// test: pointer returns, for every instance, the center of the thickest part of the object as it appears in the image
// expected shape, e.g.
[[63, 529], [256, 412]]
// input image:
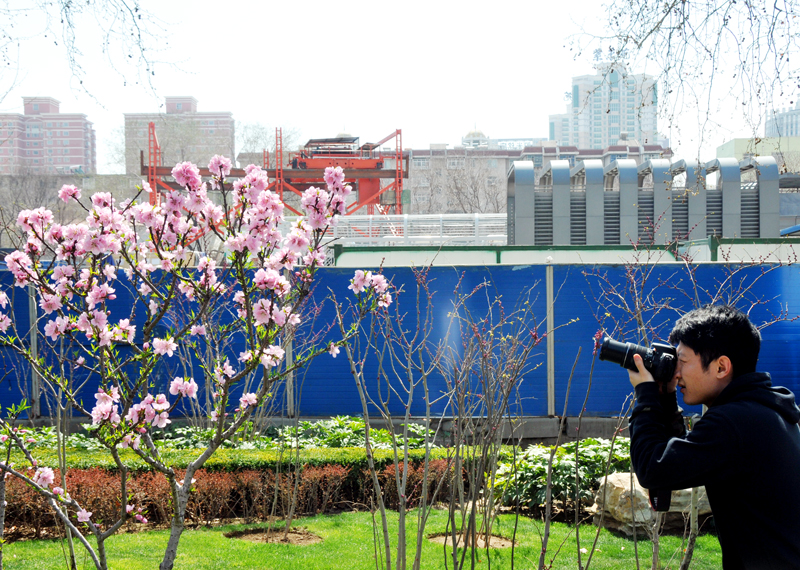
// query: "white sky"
[[435, 69]]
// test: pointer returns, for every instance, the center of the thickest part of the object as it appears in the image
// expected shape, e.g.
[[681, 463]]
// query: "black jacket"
[[745, 450]]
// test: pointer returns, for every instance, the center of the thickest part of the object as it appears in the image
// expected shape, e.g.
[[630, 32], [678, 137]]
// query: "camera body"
[[659, 360]]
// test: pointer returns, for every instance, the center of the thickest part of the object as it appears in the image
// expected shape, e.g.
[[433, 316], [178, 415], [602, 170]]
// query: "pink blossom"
[[186, 174], [249, 399], [198, 330], [58, 491], [44, 477], [360, 281], [219, 165], [5, 322], [129, 508], [3, 300], [161, 420], [333, 350], [384, 300], [184, 387], [272, 356], [334, 177], [102, 200], [83, 515], [262, 311], [379, 283], [69, 192], [164, 346]]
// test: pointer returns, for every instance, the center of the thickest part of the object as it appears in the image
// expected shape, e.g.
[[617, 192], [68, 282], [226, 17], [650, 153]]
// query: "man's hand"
[[643, 375]]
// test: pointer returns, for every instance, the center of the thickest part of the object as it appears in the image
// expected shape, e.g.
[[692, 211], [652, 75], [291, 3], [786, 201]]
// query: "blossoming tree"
[[77, 270]]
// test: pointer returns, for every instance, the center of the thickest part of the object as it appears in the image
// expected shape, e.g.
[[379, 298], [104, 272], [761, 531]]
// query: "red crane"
[[364, 167]]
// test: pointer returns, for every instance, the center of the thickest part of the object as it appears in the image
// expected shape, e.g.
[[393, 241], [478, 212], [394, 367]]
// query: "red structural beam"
[[290, 173]]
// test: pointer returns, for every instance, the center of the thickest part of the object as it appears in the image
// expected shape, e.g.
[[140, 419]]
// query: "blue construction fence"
[[573, 301]]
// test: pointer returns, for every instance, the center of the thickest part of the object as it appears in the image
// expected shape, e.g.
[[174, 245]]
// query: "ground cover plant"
[[336, 432]]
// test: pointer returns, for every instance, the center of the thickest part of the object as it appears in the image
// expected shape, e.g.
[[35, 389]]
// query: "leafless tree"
[[129, 37], [252, 138], [466, 186], [703, 52]]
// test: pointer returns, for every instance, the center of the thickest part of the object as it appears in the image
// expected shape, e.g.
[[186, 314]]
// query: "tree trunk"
[[180, 497]]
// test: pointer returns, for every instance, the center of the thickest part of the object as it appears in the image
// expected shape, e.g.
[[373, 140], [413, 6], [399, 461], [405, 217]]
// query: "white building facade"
[[606, 105], [784, 122]]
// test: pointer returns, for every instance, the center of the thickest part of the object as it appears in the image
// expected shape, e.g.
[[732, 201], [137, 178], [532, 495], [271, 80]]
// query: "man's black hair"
[[716, 330]]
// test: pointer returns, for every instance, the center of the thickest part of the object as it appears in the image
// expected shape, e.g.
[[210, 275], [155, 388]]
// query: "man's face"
[[698, 386]]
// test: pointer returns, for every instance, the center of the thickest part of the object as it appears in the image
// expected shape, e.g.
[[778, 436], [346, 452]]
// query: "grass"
[[348, 544]]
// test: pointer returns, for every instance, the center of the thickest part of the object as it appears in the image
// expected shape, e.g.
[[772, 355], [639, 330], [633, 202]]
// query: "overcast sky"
[[434, 69]]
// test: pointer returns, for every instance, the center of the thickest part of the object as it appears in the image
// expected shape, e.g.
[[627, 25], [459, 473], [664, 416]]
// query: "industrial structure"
[[656, 202], [376, 176]]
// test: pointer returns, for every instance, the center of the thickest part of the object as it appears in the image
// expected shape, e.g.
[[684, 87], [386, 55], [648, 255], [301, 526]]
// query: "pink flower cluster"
[[364, 280], [321, 206], [184, 387], [153, 410], [138, 515], [69, 192], [106, 409]]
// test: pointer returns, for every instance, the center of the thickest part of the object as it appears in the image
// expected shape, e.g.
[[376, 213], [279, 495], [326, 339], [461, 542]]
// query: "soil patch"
[[296, 536], [495, 541]]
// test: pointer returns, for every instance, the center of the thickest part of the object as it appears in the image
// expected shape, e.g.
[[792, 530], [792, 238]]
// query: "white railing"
[[438, 229]]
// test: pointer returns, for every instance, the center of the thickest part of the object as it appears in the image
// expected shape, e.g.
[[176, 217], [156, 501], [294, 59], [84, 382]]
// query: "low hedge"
[[253, 484], [231, 459]]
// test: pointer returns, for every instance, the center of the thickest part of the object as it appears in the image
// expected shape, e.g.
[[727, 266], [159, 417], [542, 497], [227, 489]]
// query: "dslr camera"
[[659, 360]]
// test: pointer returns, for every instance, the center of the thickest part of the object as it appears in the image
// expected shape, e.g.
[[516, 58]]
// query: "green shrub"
[[531, 471]]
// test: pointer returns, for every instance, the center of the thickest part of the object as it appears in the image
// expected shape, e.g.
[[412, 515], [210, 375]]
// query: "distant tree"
[[468, 187], [128, 36], [253, 138], [704, 51]]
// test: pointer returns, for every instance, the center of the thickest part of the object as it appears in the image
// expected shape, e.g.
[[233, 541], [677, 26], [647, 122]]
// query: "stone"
[[613, 505]]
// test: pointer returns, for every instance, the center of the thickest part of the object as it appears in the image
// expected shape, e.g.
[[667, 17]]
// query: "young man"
[[745, 449]]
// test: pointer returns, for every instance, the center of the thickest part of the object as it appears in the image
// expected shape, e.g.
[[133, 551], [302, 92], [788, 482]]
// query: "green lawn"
[[348, 545]]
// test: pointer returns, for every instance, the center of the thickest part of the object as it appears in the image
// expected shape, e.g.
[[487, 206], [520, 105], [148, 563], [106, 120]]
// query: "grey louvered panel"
[[714, 212], [645, 217], [577, 218], [680, 214], [611, 215], [750, 211], [543, 218]]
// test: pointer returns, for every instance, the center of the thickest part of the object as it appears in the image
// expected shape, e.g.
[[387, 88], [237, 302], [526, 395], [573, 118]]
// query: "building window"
[[421, 163], [36, 106], [455, 162], [179, 106]]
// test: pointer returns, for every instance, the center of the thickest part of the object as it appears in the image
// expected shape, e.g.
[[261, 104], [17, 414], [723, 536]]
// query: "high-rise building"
[[605, 105], [45, 141], [784, 122], [183, 134]]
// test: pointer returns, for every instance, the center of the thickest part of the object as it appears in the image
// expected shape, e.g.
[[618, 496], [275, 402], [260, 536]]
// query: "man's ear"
[[723, 367]]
